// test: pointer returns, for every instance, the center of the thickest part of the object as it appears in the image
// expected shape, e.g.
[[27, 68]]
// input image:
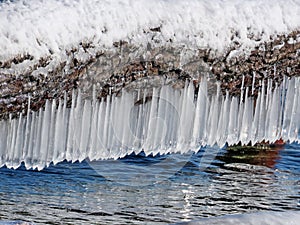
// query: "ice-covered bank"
[[48, 48], [134, 59]]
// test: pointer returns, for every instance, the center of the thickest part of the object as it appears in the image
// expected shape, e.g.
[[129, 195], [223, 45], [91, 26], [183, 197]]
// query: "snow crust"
[[38, 27]]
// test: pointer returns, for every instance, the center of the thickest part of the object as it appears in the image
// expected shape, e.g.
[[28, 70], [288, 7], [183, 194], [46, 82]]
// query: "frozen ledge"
[[49, 48], [128, 66]]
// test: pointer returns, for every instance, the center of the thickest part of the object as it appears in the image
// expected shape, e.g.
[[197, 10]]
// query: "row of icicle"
[[164, 120]]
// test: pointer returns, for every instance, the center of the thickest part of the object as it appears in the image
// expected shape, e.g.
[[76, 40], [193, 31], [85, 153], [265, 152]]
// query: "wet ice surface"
[[236, 182]]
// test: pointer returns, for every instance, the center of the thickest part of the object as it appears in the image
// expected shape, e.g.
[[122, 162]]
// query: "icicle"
[[253, 83], [29, 156], [288, 109], [262, 113], [246, 120], [293, 126], [160, 123], [214, 118], [163, 120], [273, 123], [223, 133], [197, 121], [99, 145], [94, 121], [18, 143], [150, 120], [3, 142], [233, 122], [187, 117], [71, 128], [58, 129], [126, 137], [26, 134], [45, 128], [37, 142], [242, 89], [221, 122], [86, 127], [48, 158]]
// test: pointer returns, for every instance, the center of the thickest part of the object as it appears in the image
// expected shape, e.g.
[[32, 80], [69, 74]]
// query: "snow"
[[38, 27]]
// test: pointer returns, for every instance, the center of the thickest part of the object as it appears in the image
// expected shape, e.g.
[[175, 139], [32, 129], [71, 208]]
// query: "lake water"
[[155, 190]]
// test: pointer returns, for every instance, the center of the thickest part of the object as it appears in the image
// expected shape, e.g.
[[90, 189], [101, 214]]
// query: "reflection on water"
[[238, 181], [263, 155]]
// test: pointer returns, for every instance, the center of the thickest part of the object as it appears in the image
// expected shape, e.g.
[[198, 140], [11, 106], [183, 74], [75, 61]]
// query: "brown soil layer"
[[267, 61], [124, 67]]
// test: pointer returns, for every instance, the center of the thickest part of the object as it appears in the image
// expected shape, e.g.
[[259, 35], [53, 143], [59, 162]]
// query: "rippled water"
[[130, 191]]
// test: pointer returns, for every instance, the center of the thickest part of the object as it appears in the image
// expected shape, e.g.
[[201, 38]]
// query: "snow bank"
[[38, 27]]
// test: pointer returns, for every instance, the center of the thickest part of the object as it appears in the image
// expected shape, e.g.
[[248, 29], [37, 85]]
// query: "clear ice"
[[162, 120]]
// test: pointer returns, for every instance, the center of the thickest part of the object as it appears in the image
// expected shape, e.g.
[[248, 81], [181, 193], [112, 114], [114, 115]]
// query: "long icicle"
[[171, 121]]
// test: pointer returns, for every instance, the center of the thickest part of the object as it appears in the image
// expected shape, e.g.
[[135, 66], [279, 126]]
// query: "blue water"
[[129, 191]]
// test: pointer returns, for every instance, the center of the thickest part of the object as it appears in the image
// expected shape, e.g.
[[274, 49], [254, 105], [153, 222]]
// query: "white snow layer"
[[37, 26], [172, 121]]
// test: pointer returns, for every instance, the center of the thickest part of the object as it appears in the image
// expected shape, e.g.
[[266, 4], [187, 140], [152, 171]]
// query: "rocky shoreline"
[[127, 66]]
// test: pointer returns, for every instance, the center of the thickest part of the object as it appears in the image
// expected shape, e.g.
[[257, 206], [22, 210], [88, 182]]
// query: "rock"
[[128, 66]]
